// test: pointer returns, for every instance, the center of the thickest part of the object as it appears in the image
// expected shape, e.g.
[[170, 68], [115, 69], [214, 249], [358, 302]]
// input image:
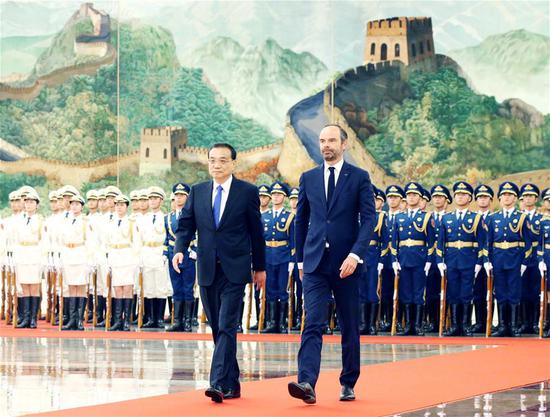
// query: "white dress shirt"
[[460, 214], [226, 186], [530, 213], [337, 169]]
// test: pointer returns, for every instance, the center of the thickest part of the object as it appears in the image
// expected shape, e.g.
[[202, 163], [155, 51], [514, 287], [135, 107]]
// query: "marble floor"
[[528, 401], [44, 374]]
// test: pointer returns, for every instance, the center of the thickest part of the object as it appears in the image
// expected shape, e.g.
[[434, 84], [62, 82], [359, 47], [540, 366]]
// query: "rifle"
[[94, 278], [379, 294], [55, 298], [543, 301], [49, 293], [9, 312], [442, 303], [3, 310], [395, 303], [262, 311], [489, 322], [249, 309], [61, 300], [291, 301], [109, 300], [15, 300], [141, 299]]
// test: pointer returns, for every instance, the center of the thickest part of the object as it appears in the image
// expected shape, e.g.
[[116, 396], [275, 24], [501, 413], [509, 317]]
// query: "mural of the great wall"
[[434, 95]]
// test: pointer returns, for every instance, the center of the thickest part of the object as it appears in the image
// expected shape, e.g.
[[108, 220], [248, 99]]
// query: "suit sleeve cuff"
[[357, 258], [300, 265]]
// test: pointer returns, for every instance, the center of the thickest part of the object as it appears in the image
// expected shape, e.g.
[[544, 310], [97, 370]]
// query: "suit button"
[[328, 221]]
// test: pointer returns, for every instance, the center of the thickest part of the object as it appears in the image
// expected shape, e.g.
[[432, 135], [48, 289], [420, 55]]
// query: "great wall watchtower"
[[159, 148], [97, 42], [407, 39]]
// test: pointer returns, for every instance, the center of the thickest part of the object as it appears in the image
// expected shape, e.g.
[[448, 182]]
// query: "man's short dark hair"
[[226, 146], [343, 134]]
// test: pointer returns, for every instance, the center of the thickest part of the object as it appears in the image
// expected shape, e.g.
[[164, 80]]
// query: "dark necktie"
[[120, 221], [154, 218], [28, 220], [74, 221], [216, 209], [331, 185]]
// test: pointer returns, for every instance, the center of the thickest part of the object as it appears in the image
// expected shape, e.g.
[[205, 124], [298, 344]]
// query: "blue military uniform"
[[279, 239], [413, 247], [183, 281], [480, 284], [461, 247], [433, 281], [508, 249], [530, 281], [369, 283], [543, 254]]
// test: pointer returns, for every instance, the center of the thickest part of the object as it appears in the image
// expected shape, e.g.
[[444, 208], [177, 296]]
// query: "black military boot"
[[502, 328], [161, 305], [271, 325], [150, 313], [372, 319], [330, 313], [515, 330], [134, 310], [117, 315], [431, 323], [66, 313], [387, 313], [419, 320], [481, 318], [297, 325], [363, 316], [35, 304], [24, 312], [283, 315], [466, 323], [407, 330], [178, 317], [194, 318], [170, 304], [188, 316], [453, 330], [400, 316], [81, 308], [127, 314], [71, 303], [90, 305], [100, 311]]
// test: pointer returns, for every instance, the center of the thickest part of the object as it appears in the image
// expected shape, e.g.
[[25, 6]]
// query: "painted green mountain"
[[260, 82], [18, 54], [512, 64]]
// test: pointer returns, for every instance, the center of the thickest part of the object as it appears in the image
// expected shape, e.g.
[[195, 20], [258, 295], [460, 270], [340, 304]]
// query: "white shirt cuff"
[[357, 258]]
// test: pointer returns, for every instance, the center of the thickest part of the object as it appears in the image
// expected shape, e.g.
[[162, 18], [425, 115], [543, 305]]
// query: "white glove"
[[290, 267], [164, 260], [476, 270], [523, 269], [442, 268], [193, 255], [542, 267], [396, 267], [380, 267], [427, 268], [488, 267]]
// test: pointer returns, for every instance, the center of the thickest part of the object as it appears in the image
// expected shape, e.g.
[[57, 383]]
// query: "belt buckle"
[[460, 244], [506, 245]]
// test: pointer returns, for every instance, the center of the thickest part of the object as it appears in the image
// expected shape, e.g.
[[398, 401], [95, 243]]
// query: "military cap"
[[463, 187], [155, 191], [134, 195], [69, 190], [426, 195], [14, 195], [101, 195], [77, 198], [181, 188], [112, 191], [32, 195], [143, 194], [264, 190], [395, 190], [279, 187], [508, 187], [294, 191], [484, 190], [121, 198], [52, 195], [92, 195], [413, 187], [380, 195], [440, 189], [529, 189], [546, 194], [25, 189]]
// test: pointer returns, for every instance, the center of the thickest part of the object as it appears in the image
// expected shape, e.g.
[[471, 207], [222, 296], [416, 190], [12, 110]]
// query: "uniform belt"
[[508, 245], [120, 246], [73, 245], [412, 242], [28, 243], [373, 243], [459, 244], [152, 244], [547, 246], [276, 243]]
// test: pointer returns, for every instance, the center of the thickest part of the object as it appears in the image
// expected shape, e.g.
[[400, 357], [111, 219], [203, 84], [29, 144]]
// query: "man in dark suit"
[[334, 221], [225, 213]]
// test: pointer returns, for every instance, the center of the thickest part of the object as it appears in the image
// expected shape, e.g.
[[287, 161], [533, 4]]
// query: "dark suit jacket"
[[238, 242], [338, 224]]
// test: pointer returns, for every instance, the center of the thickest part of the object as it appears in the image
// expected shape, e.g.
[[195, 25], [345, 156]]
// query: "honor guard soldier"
[[484, 195], [93, 240], [412, 251], [294, 269], [29, 257], [460, 253], [279, 238], [394, 197], [122, 245], [530, 282], [184, 281], [426, 198], [509, 248], [441, 197], [156, 281], [543, 255], [369, 283]]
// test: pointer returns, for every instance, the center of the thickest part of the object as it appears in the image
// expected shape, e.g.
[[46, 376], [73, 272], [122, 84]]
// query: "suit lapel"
[[320, 174], [342, 178], [206, 204]]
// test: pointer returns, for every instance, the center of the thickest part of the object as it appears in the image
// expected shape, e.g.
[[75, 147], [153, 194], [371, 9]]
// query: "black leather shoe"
[[231, 394], [347, 393], [215, 394], [303, 391]]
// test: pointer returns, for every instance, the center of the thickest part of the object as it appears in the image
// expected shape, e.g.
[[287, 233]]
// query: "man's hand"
[[542, 267], [427, 268], [488, 267], [380, 267], [259, 279], [348, 267], [176, 261], [477, 269], [523, 269], [442, 268], [301, 274], [396, 267]]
